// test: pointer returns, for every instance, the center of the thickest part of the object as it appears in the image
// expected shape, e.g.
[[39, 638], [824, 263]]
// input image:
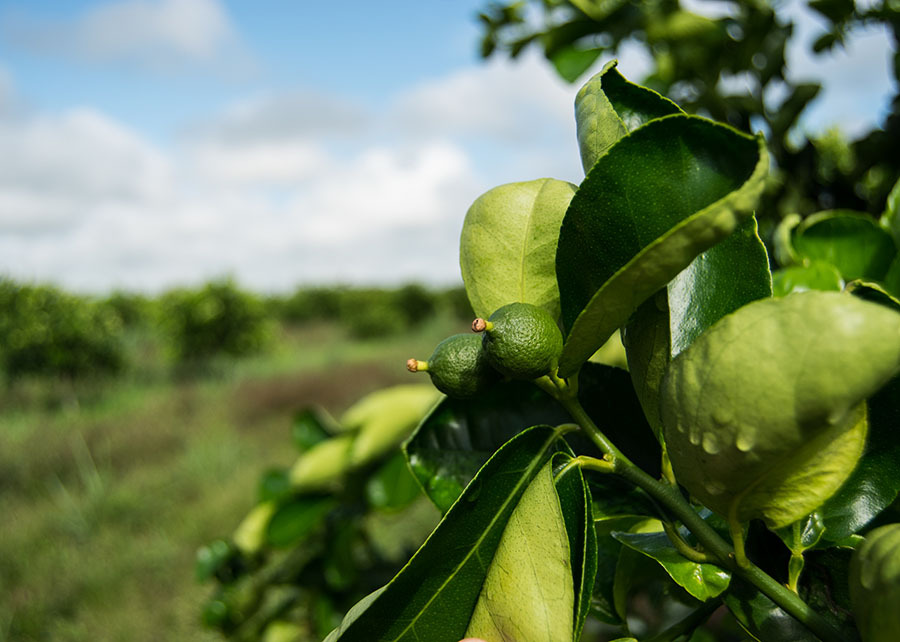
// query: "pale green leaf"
[[508, 245]]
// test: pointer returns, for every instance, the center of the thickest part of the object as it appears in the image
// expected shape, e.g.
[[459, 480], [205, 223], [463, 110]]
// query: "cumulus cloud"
[[161, 35]]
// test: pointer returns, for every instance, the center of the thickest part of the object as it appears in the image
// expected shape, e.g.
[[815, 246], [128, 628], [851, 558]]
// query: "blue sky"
[[149, 143]]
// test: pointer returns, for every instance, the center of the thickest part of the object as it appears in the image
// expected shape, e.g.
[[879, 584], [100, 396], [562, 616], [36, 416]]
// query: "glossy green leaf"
[[507, 249], [761, 618], [459, 435], [803, 534], [890, 219], [875, 482], [575, 502], [608, 106], [702, 581], [663, 194], [852, 242], [571, 62], [814, 275], [434, 595], [764, 409], [393, 485], [719, 281], [296, 519], [383, 419], [310, 426], [722, 279], [530, 566]]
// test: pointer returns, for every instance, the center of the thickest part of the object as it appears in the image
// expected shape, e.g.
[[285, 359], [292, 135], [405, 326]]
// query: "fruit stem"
[[414, 365], [670, 497], [482, 325]]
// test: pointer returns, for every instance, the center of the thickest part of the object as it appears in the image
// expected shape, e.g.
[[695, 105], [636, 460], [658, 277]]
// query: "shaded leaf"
[[296, 519], [890, 219], [825, 586], [459, 435], [393, 485], [571, 62], [275, 484], [659, 197], [608, 106], [310, 426], [874, 293], [575, 502], [608, 551], [433, 597], [875, 482], [761, 617], [507, 248], [852, 242]]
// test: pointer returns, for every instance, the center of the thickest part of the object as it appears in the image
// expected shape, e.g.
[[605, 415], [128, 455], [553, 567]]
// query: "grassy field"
[[106, 491]]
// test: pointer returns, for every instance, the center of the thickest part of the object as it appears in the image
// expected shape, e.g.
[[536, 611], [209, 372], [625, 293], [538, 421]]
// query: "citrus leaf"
[[890, 219], [295, 519], [659, 197], [874, 293], [570, 62], [702, 581], [507, 248], [716, 283], [814, 275], [575, 501], [530, 566], [608, 106], [761, 618], [393, 485], [323, 466], [434, 595], [778, 434], [875, 482], [310, 426], [459, 435], [852, 242]]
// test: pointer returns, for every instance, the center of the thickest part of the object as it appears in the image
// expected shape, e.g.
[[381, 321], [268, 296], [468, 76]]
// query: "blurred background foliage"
[[731, 69]]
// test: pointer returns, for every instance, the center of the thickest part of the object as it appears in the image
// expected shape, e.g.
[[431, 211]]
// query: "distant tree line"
[[47, 332]]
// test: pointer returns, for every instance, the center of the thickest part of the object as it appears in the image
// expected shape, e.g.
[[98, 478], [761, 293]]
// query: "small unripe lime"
[[521, 340], [458, 367], [875, 585]]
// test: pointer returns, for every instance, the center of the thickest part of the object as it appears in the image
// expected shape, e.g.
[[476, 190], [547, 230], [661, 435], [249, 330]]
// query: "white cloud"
[[162, 35], [272, 190]]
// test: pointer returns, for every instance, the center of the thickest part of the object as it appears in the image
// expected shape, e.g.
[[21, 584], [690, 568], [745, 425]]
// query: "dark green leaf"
[[608, 551], [275, 484], [890, 218], [607, 107], [761, 617], [434, 596], [852, 242], [212, 557], [703, 581], [875, 482], [393, 485], [825, 586], [814, 275], [459, 435], [312, 425], [571, 62], [575, 502], [658, 198], [719, 281], [296, 519], [804, 534], [873, 292]]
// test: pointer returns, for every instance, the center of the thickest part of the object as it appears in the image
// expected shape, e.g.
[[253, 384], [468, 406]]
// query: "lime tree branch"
[[669, 497]]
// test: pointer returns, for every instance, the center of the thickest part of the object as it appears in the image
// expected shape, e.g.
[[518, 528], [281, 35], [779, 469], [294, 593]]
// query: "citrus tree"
[[745, 461]]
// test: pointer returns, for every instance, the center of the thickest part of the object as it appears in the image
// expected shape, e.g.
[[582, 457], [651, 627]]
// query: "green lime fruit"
[[521, 340], [875, 585], [764, 414], [458, 367]]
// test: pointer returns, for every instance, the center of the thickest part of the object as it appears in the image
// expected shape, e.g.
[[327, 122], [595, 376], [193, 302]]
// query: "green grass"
[[106, 491]]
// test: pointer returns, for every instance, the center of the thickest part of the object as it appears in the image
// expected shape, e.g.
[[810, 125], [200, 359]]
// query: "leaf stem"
[[670, 497]]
